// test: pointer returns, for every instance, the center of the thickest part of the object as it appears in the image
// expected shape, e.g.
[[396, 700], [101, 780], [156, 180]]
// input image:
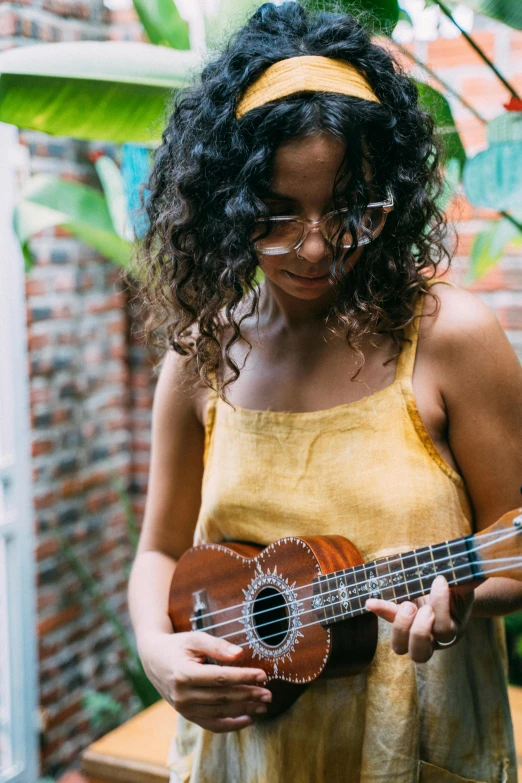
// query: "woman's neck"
[[276, 306]]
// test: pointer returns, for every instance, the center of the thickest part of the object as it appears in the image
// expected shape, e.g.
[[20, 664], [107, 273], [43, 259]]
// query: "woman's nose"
[[314, 247]]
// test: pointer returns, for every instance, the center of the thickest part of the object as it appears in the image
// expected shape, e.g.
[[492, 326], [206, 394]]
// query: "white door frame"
[[19, 761]]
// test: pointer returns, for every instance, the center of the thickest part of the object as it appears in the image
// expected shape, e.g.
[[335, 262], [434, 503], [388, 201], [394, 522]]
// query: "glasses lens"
[[372, 223], [277, 235]]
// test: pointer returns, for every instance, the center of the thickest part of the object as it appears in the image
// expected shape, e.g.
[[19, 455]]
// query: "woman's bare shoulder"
[[479, 377], [461, 318]]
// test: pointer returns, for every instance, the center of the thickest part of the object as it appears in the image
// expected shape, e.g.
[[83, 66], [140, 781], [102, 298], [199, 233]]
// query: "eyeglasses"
[[282, 234]]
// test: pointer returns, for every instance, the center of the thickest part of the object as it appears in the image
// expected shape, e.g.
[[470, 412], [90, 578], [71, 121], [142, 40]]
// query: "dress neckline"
[[321, 412]]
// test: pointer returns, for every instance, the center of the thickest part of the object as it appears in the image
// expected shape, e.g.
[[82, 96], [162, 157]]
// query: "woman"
[[318, 402]]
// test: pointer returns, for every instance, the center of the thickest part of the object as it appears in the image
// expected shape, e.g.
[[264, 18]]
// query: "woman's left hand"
[[419, 626]]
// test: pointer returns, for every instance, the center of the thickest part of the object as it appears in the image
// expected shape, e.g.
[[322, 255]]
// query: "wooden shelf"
[[137, 751]]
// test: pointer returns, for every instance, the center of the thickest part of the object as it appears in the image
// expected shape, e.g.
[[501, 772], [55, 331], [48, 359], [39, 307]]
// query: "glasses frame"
[[317, 225]]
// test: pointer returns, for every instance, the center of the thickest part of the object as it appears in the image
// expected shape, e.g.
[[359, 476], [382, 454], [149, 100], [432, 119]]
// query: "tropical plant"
[[118, 91]]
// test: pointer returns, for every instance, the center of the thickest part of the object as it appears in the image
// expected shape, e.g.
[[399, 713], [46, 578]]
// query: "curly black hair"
[[198, 264]]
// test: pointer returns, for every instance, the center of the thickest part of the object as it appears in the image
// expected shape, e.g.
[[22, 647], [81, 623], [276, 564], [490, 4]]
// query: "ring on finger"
[[438, 644]]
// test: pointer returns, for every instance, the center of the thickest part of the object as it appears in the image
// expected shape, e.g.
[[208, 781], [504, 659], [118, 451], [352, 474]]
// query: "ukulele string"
[[357, 569], [366, 582], [518, 562], [346, 615]]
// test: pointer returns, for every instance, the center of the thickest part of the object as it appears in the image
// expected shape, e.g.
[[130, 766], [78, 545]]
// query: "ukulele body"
[[263, 599]]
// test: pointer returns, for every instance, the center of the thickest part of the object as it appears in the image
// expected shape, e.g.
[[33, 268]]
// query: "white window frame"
[[19, 761]]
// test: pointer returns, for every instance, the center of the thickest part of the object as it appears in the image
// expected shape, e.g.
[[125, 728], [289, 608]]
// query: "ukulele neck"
[[342, 594]]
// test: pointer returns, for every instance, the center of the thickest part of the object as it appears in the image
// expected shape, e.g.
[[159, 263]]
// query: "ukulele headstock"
[[498, 548]]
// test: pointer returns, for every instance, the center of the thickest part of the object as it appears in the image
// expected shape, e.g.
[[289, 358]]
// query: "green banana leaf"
[[489, 245], [380, 15], [436, 104], [112, 90], [163, 23], [493, 178], [48, 201], [114, 191], [507, 11]]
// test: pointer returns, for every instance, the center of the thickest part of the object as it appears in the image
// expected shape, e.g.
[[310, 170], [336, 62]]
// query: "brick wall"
[[87, 400], [91, 383]]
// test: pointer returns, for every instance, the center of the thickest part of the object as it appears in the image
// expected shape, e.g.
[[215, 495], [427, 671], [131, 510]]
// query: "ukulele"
[[297, 606]]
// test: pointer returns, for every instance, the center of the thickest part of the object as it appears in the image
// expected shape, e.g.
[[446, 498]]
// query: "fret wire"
[[392, 583], [323, 606], [433, 561], [354, 589], [338, 596], [451, 563]]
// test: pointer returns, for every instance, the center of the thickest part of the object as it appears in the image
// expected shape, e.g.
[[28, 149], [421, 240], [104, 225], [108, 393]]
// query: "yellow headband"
[[311, 74]]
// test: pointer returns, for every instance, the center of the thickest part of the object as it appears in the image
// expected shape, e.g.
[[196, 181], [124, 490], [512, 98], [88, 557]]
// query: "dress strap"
[[209, 422], [406, 360]]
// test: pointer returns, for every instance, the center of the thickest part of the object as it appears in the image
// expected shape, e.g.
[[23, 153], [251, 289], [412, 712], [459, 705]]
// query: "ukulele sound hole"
[[270, 616]]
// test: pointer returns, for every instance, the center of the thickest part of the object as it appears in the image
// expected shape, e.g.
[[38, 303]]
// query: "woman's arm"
[[479, 380], [219, 698], [173, 498], [481, 385]]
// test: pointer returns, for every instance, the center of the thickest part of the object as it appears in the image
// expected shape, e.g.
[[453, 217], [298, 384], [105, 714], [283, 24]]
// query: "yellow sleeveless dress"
[[367, 470]]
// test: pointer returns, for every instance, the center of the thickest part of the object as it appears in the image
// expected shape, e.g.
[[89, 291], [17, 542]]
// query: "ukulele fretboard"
[[400, 577]]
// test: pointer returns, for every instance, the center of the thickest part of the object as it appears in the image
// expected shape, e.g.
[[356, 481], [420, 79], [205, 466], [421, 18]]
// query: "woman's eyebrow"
[[278, 196]]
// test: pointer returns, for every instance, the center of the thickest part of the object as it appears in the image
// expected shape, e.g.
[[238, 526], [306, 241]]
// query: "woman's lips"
[[310, 282]]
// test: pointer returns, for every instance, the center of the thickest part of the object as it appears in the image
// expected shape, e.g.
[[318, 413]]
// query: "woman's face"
[[302, 184]]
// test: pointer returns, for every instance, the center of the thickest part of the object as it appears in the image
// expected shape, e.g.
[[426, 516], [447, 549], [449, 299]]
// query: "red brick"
[[118, 351], [51, 697], [472, 132], [61, 414], [63, 715], [71, 487], [37, 341], [510, 317], [44, 600], [35, 287], [73, 776], [498, 279], [7, 25], [117, 327], [65, 283], [46, 500], [40, 395], [46, 549], [450, 53], [113, 302], [516, 47], [106, 546], [487, 90], [41, 447], [57, 620], [62, 311], [126, 16], [460, 210]]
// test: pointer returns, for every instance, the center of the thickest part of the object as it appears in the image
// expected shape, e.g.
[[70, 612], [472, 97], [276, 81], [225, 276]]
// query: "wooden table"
[[137, 751]]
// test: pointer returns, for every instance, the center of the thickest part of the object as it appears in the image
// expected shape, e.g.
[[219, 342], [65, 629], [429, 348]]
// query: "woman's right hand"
[[218, 698]]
